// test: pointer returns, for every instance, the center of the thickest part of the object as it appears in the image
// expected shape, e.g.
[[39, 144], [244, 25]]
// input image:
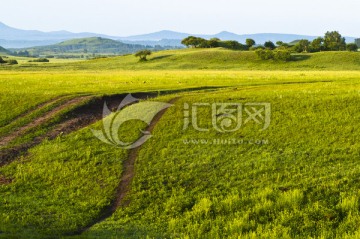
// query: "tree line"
[[332, 41], [198, 42]]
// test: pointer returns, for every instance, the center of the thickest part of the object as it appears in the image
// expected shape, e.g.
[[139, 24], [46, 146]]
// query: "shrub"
[[40, 60], [278, 55], [351, 47], [265, 54], [254, 48], [282, 55], [12, 62], [2, 61]]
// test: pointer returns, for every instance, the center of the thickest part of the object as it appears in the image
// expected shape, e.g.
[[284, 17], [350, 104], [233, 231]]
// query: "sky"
[[124, 18]]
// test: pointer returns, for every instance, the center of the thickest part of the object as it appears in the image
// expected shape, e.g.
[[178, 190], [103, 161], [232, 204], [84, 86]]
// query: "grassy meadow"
[[297, 179]]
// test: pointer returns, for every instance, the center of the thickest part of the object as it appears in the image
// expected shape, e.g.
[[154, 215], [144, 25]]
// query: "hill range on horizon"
[[17, 38]]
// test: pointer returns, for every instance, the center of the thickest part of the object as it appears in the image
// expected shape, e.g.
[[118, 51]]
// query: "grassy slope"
[[302, 183], [193, 190], [60, 189], [25, 90], [197, 190], [222, 59]]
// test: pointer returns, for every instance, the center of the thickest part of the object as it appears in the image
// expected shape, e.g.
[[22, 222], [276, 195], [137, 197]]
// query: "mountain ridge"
[[90, 45], [16, 38]]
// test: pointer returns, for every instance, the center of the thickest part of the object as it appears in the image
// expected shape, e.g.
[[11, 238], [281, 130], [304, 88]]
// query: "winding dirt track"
[[38, 107], [126, 178], [82, 115], [42, 119]]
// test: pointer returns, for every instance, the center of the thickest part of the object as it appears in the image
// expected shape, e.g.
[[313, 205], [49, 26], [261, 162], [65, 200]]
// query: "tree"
[[202, 43], [282, 45], [193, 41], [352, 47], [234, 45], [317, 44], [302, 46], [187, 41], [270, 45], [143, 54], [214, 42], [333, 41], [250, 42], [2, 60]]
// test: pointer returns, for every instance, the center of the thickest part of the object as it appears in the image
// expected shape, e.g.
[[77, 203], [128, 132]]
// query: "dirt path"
[[38, 107], [42, 119], [78, 118], [126, 178], [4, 180]]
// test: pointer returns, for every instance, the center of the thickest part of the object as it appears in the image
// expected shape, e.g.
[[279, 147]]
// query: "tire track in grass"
[[42, 119], [79, 117], [36, 108], [8, 154], [4, 181], [126, 178]]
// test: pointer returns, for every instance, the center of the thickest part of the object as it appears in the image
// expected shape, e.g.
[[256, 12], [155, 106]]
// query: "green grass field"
[[204, 59], [297, 179]]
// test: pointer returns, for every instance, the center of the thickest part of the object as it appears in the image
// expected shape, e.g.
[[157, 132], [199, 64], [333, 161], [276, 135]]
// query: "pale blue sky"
[[122, 18]]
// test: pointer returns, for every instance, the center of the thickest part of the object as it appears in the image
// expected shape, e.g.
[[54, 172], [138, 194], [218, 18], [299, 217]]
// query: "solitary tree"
[[143, 54], [249, 42]]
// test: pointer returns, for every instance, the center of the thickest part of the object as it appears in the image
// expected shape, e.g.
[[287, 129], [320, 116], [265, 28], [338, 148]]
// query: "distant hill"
[[96, 45], [16, 38], [26, 43], [3, 50], [156, 36], [163, 42]]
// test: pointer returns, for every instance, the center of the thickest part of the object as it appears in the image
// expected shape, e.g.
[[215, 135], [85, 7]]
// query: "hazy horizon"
[[125, 18]]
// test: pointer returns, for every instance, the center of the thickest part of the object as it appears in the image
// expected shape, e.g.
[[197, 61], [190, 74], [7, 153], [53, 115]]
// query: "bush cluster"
[[10, 62], [277, 55], [40, 60]]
